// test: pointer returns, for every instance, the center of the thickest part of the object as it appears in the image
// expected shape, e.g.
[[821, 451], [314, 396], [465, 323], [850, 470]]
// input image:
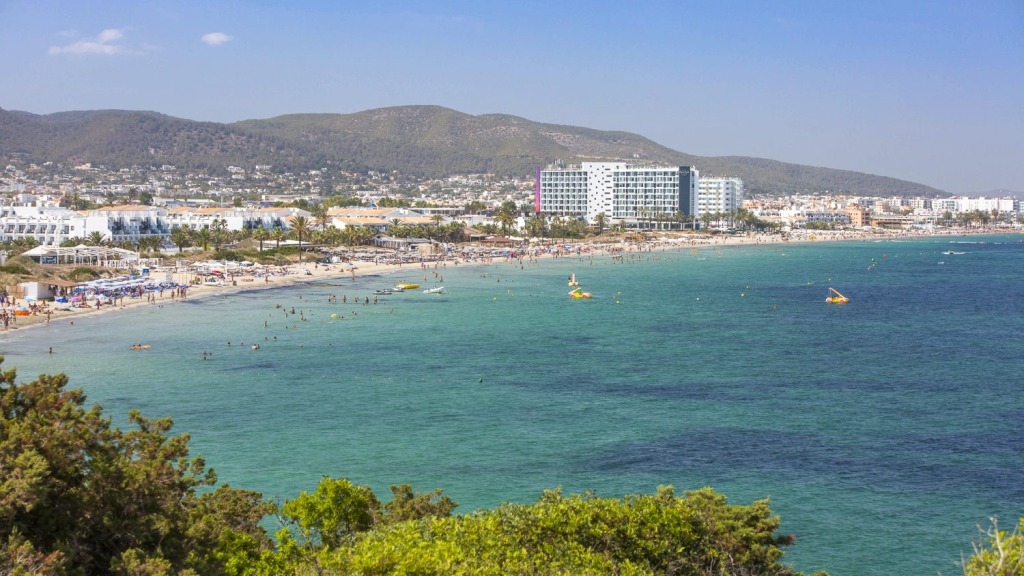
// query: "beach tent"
[[80, 254]]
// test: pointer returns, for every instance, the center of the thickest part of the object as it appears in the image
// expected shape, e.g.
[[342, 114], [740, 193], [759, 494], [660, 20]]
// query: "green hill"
[[418, 141]]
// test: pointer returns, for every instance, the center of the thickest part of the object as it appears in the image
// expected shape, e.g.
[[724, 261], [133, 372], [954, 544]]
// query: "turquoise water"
[[884, 431]]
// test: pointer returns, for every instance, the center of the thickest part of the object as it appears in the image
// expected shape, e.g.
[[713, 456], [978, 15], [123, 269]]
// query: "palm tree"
[[359, 236], [97, 239], [706, 218], [181, 237], [300, 228], [149, 243], [455, 231], [277, 235], [331, 236], [505, 217], [260, 234], [203, 237], [535, 227], [218, 232], [320, 216], [600, 220]]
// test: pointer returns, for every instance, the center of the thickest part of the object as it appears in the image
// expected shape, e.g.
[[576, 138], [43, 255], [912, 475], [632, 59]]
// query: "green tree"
[[320, 217], [475, 207], [149, 243], [600, 221], [181, 237], [218, 232], [300, 229], [97, 238], [505, 216], [78, 496], [261, 235], [277, 235], [359, 236], [203, 236], [998, 554], [406, 505], [331, 515], [662, 533]]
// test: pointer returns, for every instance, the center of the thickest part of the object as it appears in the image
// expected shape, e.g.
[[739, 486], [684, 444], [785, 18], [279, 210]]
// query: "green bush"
[[15, 269], [84, 273], [998, 554]]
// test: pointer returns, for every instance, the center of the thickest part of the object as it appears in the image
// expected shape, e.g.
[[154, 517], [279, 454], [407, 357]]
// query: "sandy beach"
[[274, 277]]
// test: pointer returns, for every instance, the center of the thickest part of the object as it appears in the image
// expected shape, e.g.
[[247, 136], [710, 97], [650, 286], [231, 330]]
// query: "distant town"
[[161, 207]]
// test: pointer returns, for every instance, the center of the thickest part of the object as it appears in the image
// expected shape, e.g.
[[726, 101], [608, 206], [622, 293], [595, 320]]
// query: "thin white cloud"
[[216, 38], [105, 44]]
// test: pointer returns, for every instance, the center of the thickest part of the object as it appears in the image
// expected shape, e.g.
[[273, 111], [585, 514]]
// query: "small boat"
[[835, 297], [572, 280], [407, 285], [434, 290], [384, 292], [579, 294], [397, 289]]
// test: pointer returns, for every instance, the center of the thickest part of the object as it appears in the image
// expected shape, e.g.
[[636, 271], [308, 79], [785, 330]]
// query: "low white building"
[[238, 218]]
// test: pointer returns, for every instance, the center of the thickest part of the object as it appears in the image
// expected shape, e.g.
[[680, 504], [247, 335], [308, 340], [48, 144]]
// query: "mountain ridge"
[[420, 141]]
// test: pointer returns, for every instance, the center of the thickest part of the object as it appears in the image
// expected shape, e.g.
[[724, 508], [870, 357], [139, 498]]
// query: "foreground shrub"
[[998, 554]]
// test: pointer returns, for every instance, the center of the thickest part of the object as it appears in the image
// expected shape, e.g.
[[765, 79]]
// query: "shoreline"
[[295, 274]]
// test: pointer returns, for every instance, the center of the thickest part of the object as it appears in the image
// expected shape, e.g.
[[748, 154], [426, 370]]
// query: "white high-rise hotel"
[[629, 193], [718, 194]]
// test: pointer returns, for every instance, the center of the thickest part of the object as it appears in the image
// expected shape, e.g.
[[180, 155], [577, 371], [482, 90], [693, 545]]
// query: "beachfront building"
[[718, 194], [128, 223], [46, 225], [234, 219], [632, 194], [858, 215], [377, 219], [52, 226]]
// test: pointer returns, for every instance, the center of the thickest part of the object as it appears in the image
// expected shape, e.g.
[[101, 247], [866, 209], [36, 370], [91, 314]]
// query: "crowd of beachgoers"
[[165, 285]]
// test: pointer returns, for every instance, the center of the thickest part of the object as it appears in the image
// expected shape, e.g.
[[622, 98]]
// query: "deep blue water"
[[884, 430]]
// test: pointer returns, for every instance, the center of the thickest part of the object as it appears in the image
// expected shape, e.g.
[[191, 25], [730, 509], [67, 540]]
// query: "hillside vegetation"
[[418, 141]]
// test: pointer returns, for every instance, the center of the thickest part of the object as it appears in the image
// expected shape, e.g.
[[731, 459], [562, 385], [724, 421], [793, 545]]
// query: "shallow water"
[[884, 431]]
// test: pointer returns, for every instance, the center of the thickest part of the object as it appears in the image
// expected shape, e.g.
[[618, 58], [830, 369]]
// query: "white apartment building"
[[127, 223], [718, 194], [47, 225], [626, 193], [51, 226], [240, 218]]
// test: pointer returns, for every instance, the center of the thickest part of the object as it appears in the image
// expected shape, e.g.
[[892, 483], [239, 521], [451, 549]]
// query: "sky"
[[929, 91]]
